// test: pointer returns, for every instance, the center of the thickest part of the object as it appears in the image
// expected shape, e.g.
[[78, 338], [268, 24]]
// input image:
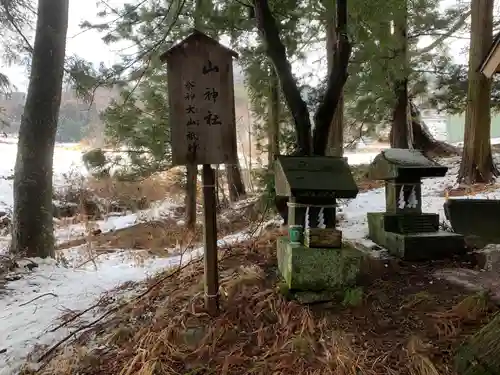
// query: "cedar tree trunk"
[[477, 162], [336, 134], [32, 231]]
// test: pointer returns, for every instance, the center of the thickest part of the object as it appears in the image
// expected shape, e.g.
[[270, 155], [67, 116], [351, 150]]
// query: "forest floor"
[[107, 315], [401, 321]]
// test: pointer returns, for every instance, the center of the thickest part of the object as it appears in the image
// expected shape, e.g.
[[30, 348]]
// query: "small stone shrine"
[[403, 229], [316, 261]]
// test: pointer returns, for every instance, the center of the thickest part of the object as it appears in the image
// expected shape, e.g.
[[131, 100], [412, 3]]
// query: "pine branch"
[[6, 5], [460, 22]]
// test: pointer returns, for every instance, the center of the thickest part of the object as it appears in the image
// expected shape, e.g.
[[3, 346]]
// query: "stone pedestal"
[[403, 229], [318, 270], [312, 185], [413, 237]]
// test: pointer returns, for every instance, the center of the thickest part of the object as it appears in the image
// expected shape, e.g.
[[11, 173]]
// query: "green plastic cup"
[[295, 233]]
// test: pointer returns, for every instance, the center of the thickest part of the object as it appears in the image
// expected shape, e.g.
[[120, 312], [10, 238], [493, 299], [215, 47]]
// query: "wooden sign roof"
[[196, 37], [491, 63]]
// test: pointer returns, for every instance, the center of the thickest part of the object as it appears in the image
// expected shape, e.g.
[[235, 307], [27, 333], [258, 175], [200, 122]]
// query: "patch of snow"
[[158, 211], [26, 324], [358, 158]]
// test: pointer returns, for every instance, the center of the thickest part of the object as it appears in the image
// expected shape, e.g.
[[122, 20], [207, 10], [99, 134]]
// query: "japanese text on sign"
[[190, 109], [211, 95], [201, 101]]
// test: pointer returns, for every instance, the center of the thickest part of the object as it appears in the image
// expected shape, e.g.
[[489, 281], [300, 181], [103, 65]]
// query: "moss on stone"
[[310, 297], [306, 269], [480, 354]]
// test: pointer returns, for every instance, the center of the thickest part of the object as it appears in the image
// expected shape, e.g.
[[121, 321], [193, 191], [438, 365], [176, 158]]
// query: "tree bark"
[[477, 162], [223, 200], [336, 79], [235, 182], [335, 145], [423, 139], [273, 125], [401, 132], [277, 53], [33, 231]]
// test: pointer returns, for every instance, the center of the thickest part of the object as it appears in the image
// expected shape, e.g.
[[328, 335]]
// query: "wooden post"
[[210, 237], [201, 101]]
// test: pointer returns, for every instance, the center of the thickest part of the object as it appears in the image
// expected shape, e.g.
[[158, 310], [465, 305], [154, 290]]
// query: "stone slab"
[[488, 258], [475, 218], [305, 269], [473, 280], [414, 246]]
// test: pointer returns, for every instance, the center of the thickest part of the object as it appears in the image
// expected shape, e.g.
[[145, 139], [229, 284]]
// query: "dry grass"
[[146, 191], [360, 174], [419, 362], [468, 190], [161, 237], [259, 331]]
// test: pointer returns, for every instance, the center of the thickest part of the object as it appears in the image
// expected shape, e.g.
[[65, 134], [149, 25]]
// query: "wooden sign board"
[[201, 101]]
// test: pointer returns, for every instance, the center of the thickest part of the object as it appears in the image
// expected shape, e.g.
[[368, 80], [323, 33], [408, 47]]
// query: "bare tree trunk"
[[33, 230], [220, 181], [477, 162], [235, 182], [335, 145], [273, 126], [423, 139], [276, 51], [332, 100], [401, 131]]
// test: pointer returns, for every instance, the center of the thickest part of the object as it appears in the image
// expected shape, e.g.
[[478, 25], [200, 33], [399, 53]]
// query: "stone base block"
[[475, 218], [306, 269], [414, 246]]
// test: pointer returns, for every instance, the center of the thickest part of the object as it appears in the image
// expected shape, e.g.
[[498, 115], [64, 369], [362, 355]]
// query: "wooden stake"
[[210, 234]]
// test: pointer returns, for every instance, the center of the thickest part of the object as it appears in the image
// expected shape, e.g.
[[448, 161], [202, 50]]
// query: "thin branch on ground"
[[79, 314], [117, 308], [38, 297]]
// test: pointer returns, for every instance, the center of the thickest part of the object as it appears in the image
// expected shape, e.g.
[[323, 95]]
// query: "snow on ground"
[[158, 211], [25, 324], [355, 224], [67, 158]]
